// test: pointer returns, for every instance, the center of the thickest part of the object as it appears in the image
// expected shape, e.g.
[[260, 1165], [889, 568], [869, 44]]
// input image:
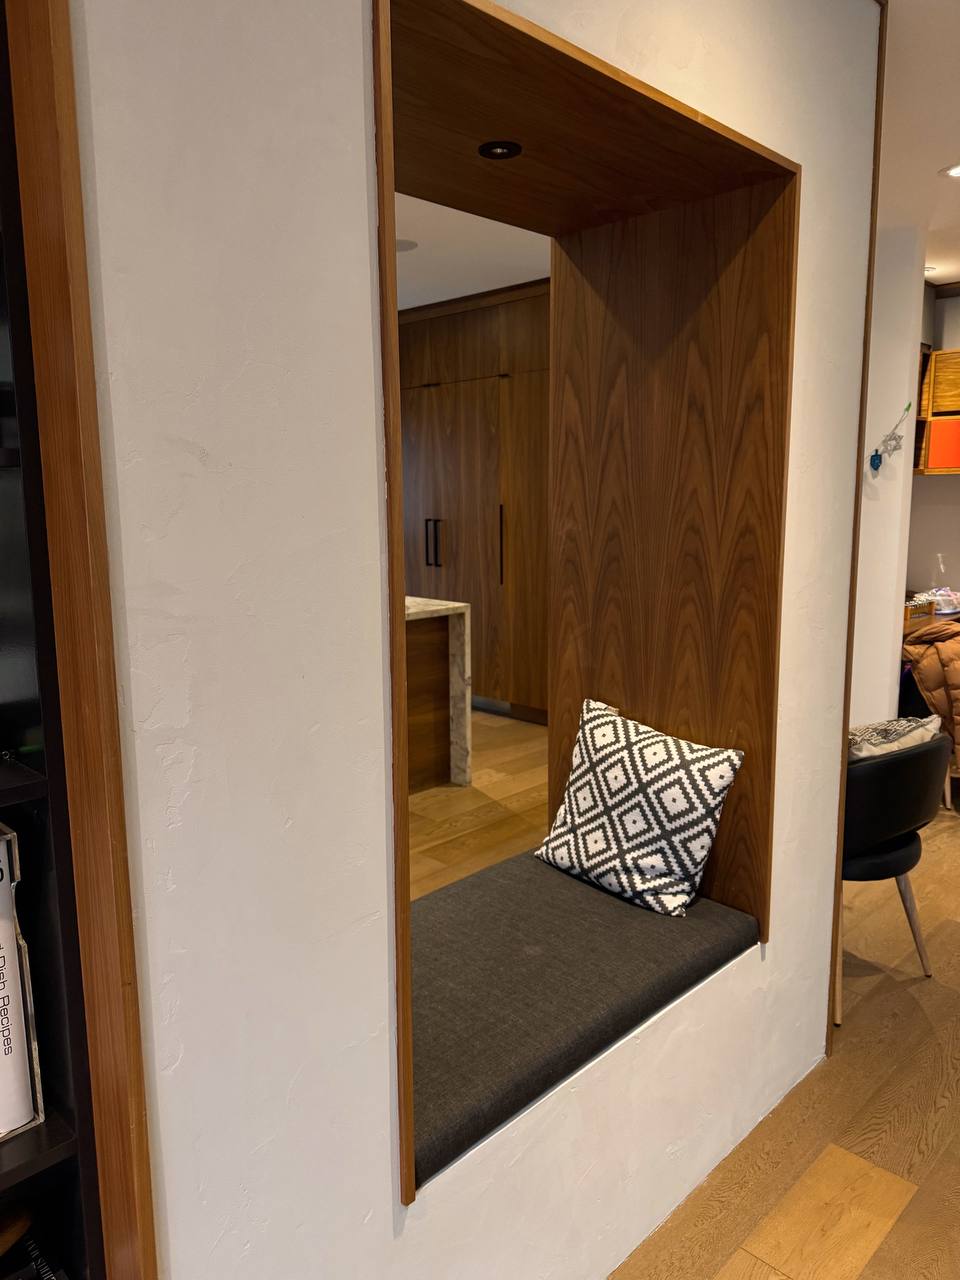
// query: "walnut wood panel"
[[524, 449], [670, 364], [461, 345], [945, 389], [451, 461], [50, 193], [472, 445], [421, 410], [393, 459], [466, 71], [471, 301], [525, 334], [428, 702], [470, 534]]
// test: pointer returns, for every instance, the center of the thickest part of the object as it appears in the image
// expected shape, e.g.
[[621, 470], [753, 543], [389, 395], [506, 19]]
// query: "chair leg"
[[948, 789], [910, 908], [838, 970]]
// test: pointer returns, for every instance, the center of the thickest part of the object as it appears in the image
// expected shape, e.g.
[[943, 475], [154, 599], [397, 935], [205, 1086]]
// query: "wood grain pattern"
[[670, 368], [466, 71], [525, 334], [449, 348], [925, 1242], [945, 382], [458, 830], [831, 1222], [524, 450], [913, 1115], [393, 458], [428, 703], [744, 1266], [472, 301], [44, 103], [835, 942], [475, 438]]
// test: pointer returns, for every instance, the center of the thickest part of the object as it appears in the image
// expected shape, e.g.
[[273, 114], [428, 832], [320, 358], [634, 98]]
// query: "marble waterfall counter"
[[438, 692]]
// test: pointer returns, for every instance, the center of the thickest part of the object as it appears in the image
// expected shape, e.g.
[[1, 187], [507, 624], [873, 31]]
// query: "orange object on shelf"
[[943, 449]]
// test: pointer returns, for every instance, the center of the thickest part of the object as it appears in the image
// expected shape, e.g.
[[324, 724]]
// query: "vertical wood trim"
[[45, 124], [390, 357], [835, 939]]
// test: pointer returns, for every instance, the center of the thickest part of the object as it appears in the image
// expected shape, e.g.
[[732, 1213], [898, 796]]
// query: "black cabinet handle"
[[426, 543], [501, 544], [438, 563]]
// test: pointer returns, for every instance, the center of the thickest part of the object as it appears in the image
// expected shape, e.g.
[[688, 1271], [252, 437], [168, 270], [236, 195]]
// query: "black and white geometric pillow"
[[640, 811]]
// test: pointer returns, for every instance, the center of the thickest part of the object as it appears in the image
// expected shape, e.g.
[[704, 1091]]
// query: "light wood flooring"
[[455, 831], [856, 1174]]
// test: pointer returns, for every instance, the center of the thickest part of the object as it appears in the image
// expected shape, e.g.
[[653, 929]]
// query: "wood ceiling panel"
[[597, 144]]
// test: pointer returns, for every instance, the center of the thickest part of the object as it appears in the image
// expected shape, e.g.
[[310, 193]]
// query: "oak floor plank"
[[914, 1115], [925, 1243], [889, 1025], [744, 1266], [455, 831], [832, 1220]]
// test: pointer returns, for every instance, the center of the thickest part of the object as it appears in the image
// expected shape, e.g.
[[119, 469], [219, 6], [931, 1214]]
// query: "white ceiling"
[[921, 128], [459, 253]]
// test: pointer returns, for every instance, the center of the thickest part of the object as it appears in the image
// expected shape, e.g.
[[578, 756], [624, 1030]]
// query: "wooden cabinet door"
[[450, 348], [422, 412], [524, 432], [946, 382], [451, 476], [469, 507]]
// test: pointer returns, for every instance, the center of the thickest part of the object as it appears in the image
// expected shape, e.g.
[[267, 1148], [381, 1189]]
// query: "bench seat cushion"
[[522, 974]]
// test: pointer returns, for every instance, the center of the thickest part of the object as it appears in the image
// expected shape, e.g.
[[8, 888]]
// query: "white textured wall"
[[227, 161], [885, 513], [947, 326], [934, 527]]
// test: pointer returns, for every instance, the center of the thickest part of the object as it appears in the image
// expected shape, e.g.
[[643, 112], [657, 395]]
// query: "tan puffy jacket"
[[934, 653]]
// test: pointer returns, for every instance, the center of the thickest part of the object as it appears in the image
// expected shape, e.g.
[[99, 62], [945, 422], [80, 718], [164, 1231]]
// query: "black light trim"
[[499, 149]]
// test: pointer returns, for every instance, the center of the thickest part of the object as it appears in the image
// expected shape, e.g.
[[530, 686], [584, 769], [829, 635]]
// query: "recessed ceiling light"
[[404, 246], [929, 270], [951, 171], [499, 150]]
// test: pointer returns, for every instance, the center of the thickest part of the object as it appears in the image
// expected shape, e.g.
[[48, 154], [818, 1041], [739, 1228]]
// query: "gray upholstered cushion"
[[520, 976]]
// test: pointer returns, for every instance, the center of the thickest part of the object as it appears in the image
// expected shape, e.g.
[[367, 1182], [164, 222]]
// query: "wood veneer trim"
[[474, 301], [857, 500], [45, 124], [393, 459]]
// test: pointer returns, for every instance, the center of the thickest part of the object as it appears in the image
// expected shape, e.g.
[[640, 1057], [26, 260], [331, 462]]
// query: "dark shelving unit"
[[50, 1169], [18, 782]]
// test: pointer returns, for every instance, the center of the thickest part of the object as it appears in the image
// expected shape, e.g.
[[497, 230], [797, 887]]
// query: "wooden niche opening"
[[671, 336]]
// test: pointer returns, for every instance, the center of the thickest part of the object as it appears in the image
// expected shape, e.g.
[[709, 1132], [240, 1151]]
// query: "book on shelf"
[[21, 1096]]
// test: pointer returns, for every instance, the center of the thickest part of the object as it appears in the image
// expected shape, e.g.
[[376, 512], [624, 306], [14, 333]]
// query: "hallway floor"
[[856, 1174], [455, 831]]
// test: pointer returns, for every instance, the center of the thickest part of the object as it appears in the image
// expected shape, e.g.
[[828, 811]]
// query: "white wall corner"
[[897, 320]]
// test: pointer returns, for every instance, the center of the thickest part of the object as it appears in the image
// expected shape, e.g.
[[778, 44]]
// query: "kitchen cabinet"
[[474, 428]]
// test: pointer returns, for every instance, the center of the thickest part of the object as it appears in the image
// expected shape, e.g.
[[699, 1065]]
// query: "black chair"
[[889, 799]]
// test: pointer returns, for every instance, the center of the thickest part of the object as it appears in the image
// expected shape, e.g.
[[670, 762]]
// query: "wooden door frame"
[[48, 161], [836, 933]]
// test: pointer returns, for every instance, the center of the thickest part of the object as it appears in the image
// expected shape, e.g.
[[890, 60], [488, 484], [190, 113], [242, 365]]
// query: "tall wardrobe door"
[[423, 412], [469, 481], [524, 442]]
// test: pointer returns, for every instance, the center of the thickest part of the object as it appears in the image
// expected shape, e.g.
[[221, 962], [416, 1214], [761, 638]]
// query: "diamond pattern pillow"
[[640, 811]]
